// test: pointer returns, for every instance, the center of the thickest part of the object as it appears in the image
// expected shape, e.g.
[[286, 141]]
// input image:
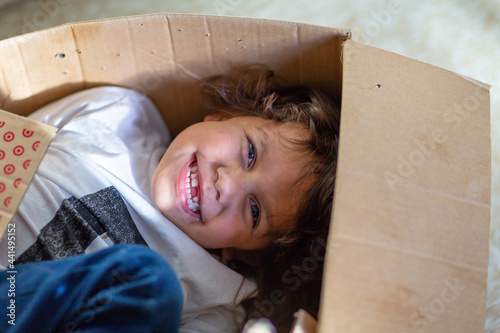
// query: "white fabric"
[[112, 136]]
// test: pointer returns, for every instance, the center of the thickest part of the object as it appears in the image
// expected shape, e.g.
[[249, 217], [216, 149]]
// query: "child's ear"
[[217, 116]]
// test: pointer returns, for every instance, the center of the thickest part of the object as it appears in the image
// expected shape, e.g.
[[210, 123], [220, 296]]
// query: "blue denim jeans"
[[125, 288]]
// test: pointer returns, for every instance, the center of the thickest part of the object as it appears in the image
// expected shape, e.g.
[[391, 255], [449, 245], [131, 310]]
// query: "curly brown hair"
[[289, 271]]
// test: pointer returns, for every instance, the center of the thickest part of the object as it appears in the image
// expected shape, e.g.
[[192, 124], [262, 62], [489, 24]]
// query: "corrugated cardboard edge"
[[476, 82], [347, 30]]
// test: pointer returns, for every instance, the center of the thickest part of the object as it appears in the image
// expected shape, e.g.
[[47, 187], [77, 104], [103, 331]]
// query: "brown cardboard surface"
[[163, 56], [408, 248], [23, 143]]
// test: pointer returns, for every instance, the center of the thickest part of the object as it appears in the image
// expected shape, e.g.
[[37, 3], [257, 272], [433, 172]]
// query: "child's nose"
[[231, 184]]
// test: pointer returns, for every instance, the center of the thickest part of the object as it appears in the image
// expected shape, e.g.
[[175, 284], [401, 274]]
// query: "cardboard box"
[[408, 246]]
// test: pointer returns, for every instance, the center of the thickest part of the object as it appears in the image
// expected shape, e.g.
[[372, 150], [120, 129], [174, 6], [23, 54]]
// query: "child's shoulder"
[[111, 102]]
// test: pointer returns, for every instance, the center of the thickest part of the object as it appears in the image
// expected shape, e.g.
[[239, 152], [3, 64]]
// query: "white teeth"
[[194, 207], [192, 181]]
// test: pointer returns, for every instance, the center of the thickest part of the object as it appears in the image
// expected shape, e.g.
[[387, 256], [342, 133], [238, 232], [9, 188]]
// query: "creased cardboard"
[[408, 246]]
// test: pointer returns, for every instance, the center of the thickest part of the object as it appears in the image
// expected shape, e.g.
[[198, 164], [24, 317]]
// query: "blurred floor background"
[[459, 35]]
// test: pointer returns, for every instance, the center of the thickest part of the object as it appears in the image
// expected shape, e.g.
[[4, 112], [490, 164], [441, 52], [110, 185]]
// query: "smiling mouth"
[[192, 189]]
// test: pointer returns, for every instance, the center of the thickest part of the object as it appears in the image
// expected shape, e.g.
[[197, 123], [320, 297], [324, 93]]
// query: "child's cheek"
[[228, 234]]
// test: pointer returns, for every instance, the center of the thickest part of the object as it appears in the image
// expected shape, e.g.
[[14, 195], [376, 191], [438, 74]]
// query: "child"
[[289, 268], [254, 180]]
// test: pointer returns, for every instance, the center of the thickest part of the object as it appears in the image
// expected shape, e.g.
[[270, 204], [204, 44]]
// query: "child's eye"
[[255, 212], [251, 153]]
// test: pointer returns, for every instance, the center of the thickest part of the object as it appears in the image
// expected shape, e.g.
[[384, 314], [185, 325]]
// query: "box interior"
[[413, 181]]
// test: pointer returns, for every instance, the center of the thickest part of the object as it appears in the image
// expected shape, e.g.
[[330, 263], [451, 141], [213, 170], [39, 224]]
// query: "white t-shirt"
[[110, 141]]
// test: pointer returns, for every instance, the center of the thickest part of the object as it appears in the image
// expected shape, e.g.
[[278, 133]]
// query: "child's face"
[[241, 177]]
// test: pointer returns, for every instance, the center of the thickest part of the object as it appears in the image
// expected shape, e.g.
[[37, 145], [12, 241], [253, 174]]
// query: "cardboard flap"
[[23, 143], [408, 247]]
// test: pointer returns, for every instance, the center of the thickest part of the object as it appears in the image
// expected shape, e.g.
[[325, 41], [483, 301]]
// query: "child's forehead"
[[284, 145], [290, 129]]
